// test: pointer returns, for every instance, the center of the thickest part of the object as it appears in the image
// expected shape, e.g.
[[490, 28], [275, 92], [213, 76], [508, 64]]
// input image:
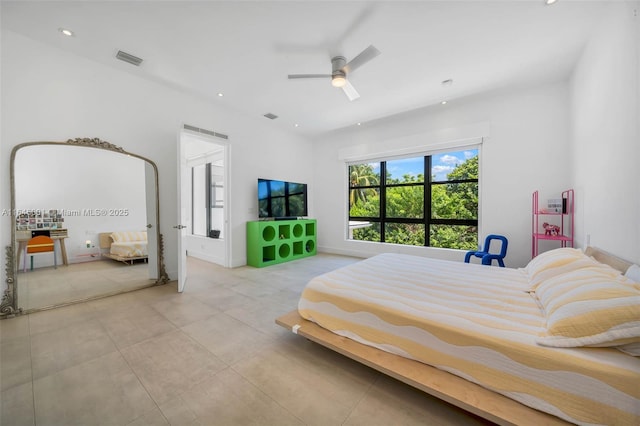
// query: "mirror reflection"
[[85, 224]]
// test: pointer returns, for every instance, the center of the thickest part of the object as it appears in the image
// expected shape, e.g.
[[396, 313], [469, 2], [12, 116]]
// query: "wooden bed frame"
[[441, 384], [105, 241]]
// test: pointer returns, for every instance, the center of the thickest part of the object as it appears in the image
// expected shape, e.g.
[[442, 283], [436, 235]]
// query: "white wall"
[[526, 147], [49, 94], [605, 109]]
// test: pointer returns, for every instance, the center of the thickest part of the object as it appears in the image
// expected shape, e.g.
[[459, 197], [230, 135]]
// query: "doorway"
[[203, 179]]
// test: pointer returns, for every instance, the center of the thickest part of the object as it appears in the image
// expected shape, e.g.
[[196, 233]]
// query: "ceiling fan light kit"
[[340, 70], [338, 79]]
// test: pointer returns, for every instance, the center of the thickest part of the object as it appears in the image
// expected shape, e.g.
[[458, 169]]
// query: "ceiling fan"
[[340, 69]]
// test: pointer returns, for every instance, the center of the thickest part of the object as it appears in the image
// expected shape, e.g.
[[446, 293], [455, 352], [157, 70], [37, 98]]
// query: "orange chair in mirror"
[[40, 244]]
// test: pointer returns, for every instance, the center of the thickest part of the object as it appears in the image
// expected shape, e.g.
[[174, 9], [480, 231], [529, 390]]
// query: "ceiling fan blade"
[[363, 57], [350, 91], [293, 76], [358, 21]]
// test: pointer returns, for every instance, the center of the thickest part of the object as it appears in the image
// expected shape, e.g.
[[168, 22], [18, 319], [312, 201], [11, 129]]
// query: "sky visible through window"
[[442, 164]]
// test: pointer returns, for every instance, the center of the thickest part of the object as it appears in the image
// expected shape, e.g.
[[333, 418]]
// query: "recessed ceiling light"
[[220, 94], [359, 124], [443, 102], [296, 125], [66, 32], [549, 2]]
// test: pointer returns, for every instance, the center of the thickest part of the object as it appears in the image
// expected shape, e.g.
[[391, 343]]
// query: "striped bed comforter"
[[479, 323]]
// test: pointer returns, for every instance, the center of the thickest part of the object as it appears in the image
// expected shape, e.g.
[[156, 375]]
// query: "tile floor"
[[209, 356]]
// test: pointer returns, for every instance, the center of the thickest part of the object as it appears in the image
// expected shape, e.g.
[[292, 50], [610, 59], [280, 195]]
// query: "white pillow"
[[633, 273]]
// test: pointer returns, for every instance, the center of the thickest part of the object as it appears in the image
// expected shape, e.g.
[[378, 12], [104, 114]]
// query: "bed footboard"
[[445, 386]]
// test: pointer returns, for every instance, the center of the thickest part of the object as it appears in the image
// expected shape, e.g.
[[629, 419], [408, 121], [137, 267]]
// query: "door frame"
[[184, 216]]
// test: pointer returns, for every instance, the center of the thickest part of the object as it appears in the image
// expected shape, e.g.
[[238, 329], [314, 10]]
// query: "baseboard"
[[343, 252], [207, 258]]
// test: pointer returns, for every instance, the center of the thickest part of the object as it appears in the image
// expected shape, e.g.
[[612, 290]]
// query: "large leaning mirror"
[[97, 208]]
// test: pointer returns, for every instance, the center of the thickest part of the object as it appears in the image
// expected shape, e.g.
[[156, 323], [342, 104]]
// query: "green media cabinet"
[[270, 242]]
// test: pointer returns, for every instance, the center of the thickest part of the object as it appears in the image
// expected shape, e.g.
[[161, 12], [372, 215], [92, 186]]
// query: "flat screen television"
[[278, 199]]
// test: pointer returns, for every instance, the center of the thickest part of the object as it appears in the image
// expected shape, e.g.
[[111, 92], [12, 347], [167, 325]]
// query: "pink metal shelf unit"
[[565, 236]]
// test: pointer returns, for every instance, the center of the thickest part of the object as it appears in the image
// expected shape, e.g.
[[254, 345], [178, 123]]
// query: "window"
[[207, 199], [396, 201]]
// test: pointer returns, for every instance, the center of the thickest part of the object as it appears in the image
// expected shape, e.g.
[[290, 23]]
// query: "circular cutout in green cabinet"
[[269, 233], [297, 230], [310, 246], [284, 251]]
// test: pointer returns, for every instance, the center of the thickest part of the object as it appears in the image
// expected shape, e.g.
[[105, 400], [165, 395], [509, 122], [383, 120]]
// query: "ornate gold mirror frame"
[[9, 306]]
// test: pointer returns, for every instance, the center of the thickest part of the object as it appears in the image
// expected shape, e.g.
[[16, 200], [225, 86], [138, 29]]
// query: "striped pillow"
[[555, 262], [590, 307]]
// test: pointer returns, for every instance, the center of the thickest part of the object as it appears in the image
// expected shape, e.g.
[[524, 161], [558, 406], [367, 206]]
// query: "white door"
[[184, 218]]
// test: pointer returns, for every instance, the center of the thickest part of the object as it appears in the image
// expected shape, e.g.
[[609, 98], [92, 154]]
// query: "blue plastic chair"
[[485, 254]]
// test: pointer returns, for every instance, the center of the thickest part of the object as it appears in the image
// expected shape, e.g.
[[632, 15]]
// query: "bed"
[[124, 246], [505, 344]]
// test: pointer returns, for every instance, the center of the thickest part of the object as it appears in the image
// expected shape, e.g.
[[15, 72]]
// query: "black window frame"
[[428, 182]]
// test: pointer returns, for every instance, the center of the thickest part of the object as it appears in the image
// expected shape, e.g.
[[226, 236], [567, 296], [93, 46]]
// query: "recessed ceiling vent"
[[205, 131], [271, 116], [127, 57]]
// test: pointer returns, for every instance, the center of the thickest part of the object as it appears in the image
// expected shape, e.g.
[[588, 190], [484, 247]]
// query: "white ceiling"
[[246, 49]]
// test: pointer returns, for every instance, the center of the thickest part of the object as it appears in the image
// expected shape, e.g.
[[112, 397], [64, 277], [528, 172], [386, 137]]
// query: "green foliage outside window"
[[405, 201], [449, 201], [364, 201], [369, 233], [454, 237], [405, 233]]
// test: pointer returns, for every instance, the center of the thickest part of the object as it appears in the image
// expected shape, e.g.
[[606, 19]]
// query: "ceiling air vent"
[[124, 56], [271, 116], [205, 131]]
